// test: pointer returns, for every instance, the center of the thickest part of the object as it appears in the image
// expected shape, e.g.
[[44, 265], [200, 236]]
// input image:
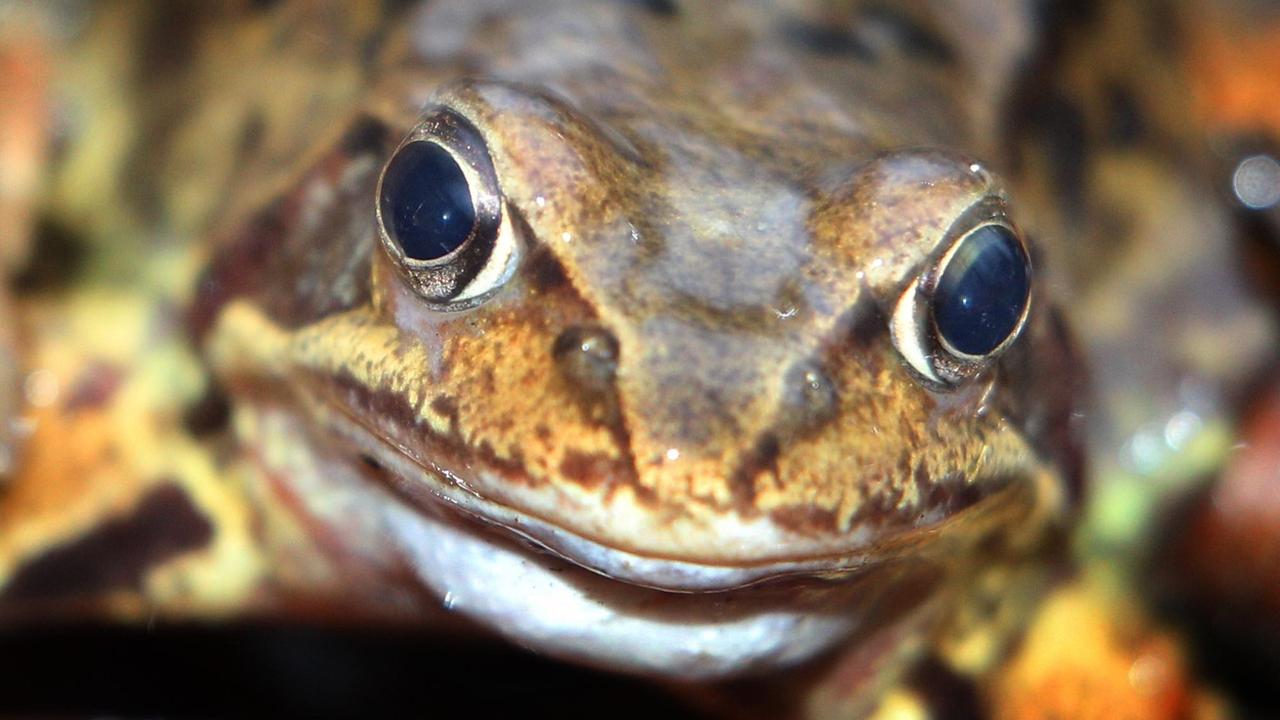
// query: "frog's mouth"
[[569, 596], [542, 601], [430, 484]]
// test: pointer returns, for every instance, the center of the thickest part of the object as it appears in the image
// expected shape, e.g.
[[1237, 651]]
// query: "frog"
[[681, 403], [665, 388]]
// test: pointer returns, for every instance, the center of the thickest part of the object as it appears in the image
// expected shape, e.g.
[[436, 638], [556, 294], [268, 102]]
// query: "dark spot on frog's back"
[[1061, 125], [446, 407], [58, 258], [1052, 18], [660, 8], [911, 36], [825, 39], [1166, 34], [1127, 124], [944, 692], [951, 494], [252, 133], [805, 519], [877, 29], [169, 32], [762, 457], [118, 553], [209, 414]]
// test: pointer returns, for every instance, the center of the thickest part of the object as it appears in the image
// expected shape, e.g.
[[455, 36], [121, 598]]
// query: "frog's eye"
[[441, 217], [982, 292], [967, 307], [426, 202]]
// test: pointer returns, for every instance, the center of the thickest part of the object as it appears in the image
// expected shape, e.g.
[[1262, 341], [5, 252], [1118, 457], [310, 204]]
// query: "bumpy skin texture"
[[733, 201], [735, 197]]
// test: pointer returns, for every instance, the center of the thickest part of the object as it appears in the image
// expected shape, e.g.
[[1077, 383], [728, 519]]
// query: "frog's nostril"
[[588, 355], [809, 400]]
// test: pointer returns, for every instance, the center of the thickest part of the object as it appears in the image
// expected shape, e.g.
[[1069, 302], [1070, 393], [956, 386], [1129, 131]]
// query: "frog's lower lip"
[[668, 574], [426, 486], [544, 601], [429, 487], [484, 569]]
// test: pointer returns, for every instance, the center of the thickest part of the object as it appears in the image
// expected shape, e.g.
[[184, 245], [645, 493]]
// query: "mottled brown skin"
[[733, 205], [727, 203], [730, 198]]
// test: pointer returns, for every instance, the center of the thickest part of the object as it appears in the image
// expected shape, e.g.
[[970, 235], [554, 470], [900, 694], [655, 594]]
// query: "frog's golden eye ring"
[[970, 304], [441, 217]]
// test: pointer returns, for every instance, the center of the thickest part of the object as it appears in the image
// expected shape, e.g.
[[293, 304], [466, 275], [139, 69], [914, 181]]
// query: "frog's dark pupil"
[[426, 202], [982, 292]]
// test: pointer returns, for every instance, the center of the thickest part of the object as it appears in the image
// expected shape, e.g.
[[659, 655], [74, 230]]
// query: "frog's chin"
[[567, 596], [546, 603], [650, 616], [543, 601]]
